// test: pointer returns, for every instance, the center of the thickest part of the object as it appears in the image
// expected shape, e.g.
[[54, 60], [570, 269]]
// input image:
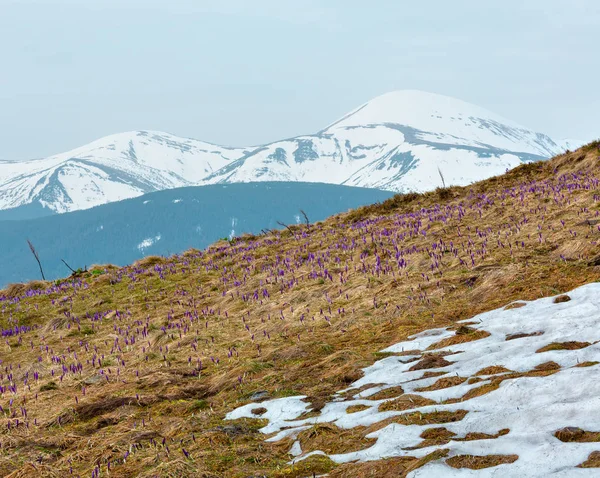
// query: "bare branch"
[[305, 218], [37, 257], [70, 268], [442, 176], [287, 227]]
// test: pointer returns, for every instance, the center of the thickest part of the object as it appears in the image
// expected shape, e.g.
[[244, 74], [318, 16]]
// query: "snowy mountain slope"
[[110, 169], [396, 142]]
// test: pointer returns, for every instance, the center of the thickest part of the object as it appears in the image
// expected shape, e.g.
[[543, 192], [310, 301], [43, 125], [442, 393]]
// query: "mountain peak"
[[397, 141], [420, 109]]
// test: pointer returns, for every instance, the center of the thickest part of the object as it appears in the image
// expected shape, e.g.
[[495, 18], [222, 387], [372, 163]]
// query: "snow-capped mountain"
[[399, 142], [116, 167]]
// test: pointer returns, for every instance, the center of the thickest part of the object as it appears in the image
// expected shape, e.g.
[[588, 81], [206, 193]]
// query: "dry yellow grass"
[[480, 462], [564, 346], [441, 383], [405, 402], [282, 344], [593, 461]]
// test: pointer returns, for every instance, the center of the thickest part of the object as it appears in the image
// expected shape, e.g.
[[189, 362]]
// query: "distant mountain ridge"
[[399, 141], [166, 222]]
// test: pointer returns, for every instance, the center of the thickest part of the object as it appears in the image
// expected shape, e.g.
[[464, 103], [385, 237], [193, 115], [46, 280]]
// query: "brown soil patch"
[[564, 346], [479, 462], [430, 361], [445, 382], [561, 298], [464, 330]]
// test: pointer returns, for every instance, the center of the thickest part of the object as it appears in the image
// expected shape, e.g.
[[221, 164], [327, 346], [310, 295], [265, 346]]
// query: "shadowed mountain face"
[[166, 222], [400, 142]]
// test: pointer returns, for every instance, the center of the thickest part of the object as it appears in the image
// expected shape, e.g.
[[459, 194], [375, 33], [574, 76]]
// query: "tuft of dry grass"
[[331, 439], [149, 261], [314, 465], [441, 433], [493, 370], [522, 335], [430, 418], [483, 436], [460, 338], [445, 382], [389, 392], [515, 305], [563, 346], [405, 402], [483, 390], [593, 461], [587, 364], [430, 361], [357, 408], [386, 468], [474, 462], [574, 434]]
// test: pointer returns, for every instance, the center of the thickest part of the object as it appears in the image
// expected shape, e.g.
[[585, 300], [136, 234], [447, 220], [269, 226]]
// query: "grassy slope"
[[300, 311]]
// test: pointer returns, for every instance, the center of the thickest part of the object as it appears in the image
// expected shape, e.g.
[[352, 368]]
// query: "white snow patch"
[[532, 408], [146, 243], [234, 222]]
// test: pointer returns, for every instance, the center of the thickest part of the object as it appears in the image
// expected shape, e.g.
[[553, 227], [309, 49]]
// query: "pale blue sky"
[[244, 72]]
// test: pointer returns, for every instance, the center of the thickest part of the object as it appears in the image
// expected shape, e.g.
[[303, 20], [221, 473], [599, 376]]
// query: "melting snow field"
[[548, 350]]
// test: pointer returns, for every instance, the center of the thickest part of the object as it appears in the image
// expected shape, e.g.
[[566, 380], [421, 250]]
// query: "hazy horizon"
[[238, 75]]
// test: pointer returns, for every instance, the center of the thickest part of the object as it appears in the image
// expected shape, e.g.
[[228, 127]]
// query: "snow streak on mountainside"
[[398, 142]]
